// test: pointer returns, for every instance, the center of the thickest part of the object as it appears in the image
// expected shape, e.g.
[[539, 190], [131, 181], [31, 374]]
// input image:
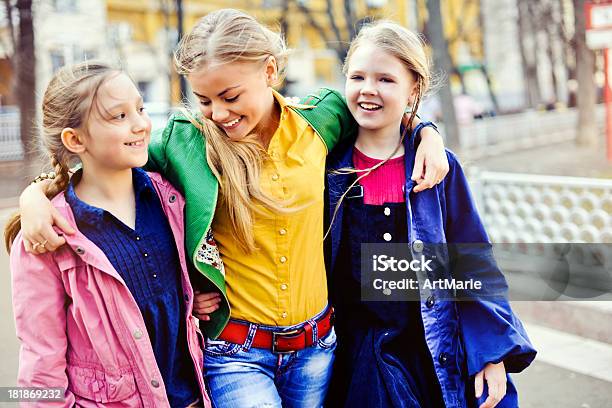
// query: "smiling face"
[[378, 88], [236, 96], [118, 129]]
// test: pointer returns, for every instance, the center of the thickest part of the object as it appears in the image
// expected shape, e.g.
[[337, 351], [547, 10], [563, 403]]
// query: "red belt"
[[279, 342]]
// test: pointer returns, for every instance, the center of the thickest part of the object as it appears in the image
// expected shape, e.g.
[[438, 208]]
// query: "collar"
[[287, 102], [94, 216]]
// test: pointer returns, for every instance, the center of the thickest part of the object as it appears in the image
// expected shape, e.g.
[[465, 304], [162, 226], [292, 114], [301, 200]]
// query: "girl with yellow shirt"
[[252, 169]]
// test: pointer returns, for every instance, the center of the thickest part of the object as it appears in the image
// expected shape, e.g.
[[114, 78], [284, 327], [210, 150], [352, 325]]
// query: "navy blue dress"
[[358, 380]]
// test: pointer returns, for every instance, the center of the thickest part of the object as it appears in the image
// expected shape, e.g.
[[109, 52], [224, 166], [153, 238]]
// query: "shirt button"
[[145, 255], [283, 259], [430, 301], [80, 250], [172, 198], [282, 231], [387, 211], [155, 275], [186, 298], [137, 334], [443, 359], [284, 315], [155, 383], [387, 237], [137, 238], [275, 177], [283, 287], [417, 245]]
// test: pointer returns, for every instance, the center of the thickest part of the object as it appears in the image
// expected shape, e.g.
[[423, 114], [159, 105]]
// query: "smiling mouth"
[[369, 106], [232, 124]]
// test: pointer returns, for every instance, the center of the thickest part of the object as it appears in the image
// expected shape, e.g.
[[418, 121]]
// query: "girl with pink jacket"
[[106, 318]]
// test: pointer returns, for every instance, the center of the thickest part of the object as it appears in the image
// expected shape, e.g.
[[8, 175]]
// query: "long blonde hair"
[[222, 37], [410, 49], [67, 103]]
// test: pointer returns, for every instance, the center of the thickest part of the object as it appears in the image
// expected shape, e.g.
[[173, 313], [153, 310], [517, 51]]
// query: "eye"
[[234, 99], [356, 77], [386, 80], [204, 103], [120, 116], [141, 109]]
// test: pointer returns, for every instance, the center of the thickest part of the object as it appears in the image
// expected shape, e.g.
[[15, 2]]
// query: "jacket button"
[[283, 259], [137, 334], [172, 198], [417, 245], [387, 211], [155, 383], [80, 250], [443, 359], [387, 237], [430, 301]]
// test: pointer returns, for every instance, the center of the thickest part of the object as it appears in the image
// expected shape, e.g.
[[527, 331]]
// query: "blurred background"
[[520, 99]]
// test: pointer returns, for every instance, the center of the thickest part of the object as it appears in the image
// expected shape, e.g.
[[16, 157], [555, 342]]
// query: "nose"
[[141, 122], [368, 87], [219, 113]]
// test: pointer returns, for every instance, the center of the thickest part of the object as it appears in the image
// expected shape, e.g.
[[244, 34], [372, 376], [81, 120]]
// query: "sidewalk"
[[559, 159]]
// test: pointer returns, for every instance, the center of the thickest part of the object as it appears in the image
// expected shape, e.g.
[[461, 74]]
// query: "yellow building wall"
[[146, 17]]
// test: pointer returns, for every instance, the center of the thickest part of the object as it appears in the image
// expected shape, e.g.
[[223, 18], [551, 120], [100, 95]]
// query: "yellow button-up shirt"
[[283, 282]]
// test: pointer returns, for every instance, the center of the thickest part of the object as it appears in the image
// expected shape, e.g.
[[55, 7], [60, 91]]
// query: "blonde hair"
[[67, 103], [222, 37], [410, 49]]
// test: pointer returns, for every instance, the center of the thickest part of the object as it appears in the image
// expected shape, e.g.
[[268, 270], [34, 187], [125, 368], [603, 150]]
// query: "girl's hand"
[[495, 374], [431, 163], [205, 303], [38, 216]]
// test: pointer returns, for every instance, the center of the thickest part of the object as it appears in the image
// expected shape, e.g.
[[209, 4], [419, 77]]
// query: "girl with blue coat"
[[438, 351]]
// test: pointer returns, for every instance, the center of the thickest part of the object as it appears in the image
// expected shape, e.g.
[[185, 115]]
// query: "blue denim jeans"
[[242, 376]]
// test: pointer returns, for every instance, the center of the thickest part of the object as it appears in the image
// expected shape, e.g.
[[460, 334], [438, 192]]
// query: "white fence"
[[526, 208], [10, 139]]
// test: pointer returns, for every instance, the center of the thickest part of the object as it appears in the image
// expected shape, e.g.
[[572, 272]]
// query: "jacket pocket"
[[103, 386]]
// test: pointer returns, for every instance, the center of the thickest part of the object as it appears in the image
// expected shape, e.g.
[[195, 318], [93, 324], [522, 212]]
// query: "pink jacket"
[[81, 329]]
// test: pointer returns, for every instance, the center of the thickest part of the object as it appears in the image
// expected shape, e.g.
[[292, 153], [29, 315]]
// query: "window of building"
[[145, 90], [65, 6], [58, 59]]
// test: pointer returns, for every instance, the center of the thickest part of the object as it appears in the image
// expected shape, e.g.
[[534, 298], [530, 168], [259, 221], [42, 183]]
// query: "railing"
[[545, 209], [10, 139]]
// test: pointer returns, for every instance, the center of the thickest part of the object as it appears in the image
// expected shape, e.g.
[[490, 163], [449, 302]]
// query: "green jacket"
[[179, 153]]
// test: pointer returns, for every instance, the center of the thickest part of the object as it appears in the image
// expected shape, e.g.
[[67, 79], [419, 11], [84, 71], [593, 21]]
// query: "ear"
[[413, 92], [73, 141], [271, 71]]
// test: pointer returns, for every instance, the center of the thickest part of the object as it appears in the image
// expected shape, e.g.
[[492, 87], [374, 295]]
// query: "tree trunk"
[[442, 61], [528, 55], [26, 78], [585, 68]]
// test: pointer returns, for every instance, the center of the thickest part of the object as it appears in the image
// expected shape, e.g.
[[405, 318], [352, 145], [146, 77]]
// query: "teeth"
[[232, 123], [369, 106], [138, 143]]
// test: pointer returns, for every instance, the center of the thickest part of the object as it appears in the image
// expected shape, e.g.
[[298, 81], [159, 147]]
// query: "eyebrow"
[[219, 94], [121, 104], [359, 71]]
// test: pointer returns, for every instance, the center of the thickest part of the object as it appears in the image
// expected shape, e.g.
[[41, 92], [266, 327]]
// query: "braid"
[[62, 176]]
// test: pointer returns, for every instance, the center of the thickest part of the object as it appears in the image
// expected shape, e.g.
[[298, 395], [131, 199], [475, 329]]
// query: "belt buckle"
[[275, 335]]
